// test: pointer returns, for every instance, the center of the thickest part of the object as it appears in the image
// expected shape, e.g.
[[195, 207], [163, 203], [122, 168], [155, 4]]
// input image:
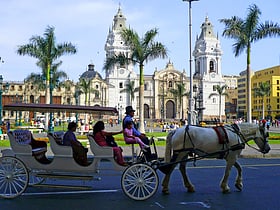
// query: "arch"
[[32, 99], [170, 109], [146, 111]]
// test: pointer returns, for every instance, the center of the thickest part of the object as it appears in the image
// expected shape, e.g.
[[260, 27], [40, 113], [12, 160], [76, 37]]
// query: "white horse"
[[203, 142]]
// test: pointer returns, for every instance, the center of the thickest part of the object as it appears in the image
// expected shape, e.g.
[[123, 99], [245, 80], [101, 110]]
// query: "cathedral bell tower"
[[118, 76], [208, 73]]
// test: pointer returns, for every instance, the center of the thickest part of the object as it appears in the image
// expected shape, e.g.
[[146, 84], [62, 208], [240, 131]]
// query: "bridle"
[[264, 137]]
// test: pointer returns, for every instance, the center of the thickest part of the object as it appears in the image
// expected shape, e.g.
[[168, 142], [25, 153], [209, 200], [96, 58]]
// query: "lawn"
[[274, 138]]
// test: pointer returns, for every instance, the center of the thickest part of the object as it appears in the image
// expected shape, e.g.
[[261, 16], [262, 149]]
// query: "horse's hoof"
[[239, 186], [165, 192], [226, 191], [191, 189]]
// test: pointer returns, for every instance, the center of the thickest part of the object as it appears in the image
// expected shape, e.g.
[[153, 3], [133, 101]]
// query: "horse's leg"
[[238, 181], [231, 159], [187, 182], [165, 181]]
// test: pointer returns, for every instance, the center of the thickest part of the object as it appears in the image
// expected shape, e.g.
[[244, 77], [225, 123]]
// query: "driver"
[[129, 111]]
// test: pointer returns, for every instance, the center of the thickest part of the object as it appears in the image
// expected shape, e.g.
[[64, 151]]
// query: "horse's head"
[[261, 139]]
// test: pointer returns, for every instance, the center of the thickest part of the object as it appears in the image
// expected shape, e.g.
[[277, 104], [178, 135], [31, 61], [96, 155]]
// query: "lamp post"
[[76, 94], [18, 100], [120, 108], [5, 89], [190, 117]]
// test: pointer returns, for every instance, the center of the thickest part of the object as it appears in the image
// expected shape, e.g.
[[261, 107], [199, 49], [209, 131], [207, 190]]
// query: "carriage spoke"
[[13, 177], [139, 181]]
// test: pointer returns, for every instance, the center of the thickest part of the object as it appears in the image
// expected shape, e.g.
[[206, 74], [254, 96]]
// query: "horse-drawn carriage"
[[24, 165]]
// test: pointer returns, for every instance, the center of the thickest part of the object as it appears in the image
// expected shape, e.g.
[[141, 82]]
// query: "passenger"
[[79, 151], [129, 138], [129, 111], [100, 136]]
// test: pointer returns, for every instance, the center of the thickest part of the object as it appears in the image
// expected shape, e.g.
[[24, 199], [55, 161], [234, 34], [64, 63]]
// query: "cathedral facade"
[[166, 91]]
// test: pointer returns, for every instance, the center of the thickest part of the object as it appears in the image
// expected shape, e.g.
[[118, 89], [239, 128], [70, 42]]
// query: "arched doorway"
[[170, 109], [146, 111]]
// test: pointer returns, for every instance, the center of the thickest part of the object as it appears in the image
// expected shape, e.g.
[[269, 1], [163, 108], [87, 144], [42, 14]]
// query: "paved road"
[[260, 192]]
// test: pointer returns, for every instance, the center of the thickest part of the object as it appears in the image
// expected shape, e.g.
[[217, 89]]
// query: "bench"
[[23, 143]]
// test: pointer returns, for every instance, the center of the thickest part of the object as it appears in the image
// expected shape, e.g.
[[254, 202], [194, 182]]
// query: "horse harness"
[[223, 140]]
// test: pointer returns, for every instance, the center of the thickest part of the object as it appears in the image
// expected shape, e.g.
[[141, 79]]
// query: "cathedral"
[[161, 98], [166, 91]]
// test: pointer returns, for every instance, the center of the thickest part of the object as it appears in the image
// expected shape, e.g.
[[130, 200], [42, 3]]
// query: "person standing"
[[8, 126]]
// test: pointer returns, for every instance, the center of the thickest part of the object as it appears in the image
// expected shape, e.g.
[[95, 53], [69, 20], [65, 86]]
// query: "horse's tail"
[[168, 147]]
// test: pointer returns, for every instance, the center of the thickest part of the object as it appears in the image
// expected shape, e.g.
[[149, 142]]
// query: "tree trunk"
[[249, 100], [47, 102], [141, 99]]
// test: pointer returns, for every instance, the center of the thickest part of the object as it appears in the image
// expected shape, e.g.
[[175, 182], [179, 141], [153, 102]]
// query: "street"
[[260, 191]]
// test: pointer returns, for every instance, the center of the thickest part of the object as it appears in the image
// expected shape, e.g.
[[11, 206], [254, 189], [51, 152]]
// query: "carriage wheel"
[[33, 179], [139, 181], [14, 177]]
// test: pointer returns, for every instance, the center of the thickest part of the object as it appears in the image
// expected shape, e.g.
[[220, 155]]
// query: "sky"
[[85, 23]]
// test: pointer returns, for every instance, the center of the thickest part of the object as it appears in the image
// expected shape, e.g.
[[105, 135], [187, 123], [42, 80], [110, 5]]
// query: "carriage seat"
[[105, 152], [22, 142], [57, 147]]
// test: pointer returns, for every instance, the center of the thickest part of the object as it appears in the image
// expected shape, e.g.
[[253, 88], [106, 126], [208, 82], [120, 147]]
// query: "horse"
[[225, 142]]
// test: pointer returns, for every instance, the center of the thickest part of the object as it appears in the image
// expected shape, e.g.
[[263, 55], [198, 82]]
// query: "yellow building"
[[272, 101]]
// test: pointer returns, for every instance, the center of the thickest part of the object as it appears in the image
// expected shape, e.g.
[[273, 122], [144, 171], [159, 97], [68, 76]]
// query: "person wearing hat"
[[129, 111]]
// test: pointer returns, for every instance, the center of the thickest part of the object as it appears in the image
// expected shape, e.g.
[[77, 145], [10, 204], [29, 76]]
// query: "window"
[[170, 84], [120, 85], [96, 94], [145, 86], [211, 66], [214, 87]]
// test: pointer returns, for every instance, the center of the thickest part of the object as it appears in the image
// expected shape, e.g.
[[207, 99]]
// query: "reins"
[[243, 139]]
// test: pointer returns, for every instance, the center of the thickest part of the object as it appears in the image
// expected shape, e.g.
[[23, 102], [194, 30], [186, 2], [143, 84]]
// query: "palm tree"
[[220, 93], [142, 50], [179, 93], [131, 90], [46, 51], [245, 32], [262, 91], [85, 87]]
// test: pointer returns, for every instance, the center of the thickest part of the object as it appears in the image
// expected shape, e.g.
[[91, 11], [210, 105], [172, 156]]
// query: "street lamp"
[[190, 118], [5, 89], [18, 100], [120, 108]]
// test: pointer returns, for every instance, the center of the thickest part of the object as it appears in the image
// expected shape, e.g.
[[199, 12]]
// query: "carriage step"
[[65, 176], [74, 187]]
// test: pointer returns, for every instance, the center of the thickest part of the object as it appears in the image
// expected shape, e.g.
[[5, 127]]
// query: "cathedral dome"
[[90, 73]]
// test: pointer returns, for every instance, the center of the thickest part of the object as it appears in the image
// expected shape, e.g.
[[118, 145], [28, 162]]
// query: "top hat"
[[129, 109]]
